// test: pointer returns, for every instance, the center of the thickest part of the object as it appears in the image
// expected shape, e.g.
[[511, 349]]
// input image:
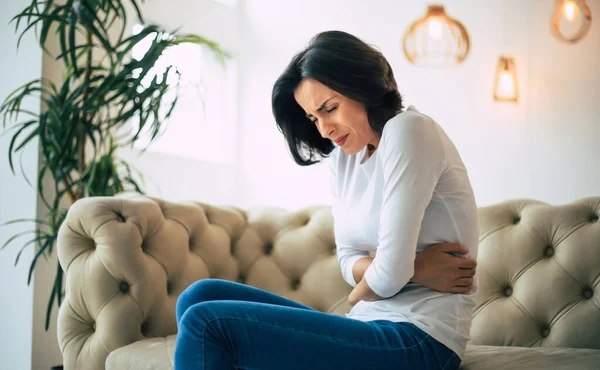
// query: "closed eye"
[[328, 111]]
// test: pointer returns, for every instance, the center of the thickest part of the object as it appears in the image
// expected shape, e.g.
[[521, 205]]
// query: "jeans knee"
[[199, 318], [200, 291]]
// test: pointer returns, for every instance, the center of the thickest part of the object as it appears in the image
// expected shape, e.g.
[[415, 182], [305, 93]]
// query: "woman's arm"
[[412, 158], [360, 266], [435, 268]]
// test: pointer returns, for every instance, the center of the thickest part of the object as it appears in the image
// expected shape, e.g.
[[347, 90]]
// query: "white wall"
[[17, 200], [544, 148], [171, 177]]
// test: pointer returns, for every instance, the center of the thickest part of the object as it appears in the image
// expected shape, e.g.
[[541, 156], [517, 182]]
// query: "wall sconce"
[[571, 20], [505, 83], [436, 39]]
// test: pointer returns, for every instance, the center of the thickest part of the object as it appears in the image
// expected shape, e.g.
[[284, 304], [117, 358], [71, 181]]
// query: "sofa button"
[[588, 293], [593, 218], [268, 249], [546, 332], [508, 291], [516, 220], [549, 252], [123, 287], [296, 284]]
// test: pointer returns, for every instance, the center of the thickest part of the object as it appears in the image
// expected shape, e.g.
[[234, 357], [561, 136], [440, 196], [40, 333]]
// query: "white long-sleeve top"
[[411, 193]]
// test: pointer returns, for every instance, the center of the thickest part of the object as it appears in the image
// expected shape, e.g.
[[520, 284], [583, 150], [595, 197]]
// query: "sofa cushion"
[[511, 358], [147, 354], [157, 354]]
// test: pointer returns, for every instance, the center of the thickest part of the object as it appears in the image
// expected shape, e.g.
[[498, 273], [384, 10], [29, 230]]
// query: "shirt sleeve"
[[346, 255], [412, 158]]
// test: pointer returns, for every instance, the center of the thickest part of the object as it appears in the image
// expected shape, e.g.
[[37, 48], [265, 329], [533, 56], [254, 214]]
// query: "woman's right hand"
[[437, 269]]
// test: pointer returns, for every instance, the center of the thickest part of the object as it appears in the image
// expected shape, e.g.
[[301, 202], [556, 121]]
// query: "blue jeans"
[[225, 325]]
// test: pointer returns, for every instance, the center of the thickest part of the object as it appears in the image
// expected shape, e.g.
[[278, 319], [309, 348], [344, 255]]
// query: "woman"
[[401, 192]]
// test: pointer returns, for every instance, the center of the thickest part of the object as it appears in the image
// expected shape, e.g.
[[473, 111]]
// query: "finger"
[[464, 282], [464, 273], [467, 263], [460, 290], [453, 248]]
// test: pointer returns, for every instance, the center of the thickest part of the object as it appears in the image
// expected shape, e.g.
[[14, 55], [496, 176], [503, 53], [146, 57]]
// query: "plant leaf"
[[72, 46], [40, 252]]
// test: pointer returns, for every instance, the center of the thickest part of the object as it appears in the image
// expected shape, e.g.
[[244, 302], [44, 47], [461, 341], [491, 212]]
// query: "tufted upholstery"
[[539, 275], [128, 258]]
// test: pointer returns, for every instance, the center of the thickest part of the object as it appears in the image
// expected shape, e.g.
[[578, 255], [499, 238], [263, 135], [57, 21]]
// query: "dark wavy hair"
[[343, 63]]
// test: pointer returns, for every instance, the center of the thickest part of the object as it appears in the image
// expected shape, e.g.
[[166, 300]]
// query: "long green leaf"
[[12, 143], [40, 185], [16, 236], [16, 126], [72, 45], [137, 10], [21, 220], [87, 17], [33, 134], [55, 292], [47, 24], [39, 253], [36, 239], [120, 13], [40, 18], [82, 49]]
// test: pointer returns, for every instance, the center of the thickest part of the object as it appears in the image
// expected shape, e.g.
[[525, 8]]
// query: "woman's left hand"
[[362, 292]]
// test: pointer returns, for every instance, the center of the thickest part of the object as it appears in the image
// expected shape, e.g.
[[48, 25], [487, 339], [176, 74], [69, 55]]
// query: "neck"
[[373, 143]]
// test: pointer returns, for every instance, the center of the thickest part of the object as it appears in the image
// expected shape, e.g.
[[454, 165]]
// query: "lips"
[[341, 140]]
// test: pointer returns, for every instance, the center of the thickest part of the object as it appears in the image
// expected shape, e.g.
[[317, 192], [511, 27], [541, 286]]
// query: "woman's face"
[[338, 118]]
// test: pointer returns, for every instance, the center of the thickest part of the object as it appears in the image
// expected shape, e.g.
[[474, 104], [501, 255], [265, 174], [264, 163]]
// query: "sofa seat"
[[157, 354]]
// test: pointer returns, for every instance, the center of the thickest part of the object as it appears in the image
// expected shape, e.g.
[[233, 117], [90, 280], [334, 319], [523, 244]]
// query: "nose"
[[326, 129]]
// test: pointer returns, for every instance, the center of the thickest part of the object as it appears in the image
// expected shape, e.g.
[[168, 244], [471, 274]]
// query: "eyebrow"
[[309, 116]]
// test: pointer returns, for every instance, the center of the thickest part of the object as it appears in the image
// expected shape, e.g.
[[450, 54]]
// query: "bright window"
[[229, 3], [202, 126]]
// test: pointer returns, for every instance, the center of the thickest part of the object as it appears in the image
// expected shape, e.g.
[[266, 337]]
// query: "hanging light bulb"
[[571, 20], [505, 84], [436, 39]]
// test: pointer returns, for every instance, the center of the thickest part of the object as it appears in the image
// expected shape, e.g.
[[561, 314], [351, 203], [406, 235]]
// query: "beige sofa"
[[128, 258]]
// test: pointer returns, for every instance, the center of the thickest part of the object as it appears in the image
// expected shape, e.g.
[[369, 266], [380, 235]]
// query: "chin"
[[350, 151]]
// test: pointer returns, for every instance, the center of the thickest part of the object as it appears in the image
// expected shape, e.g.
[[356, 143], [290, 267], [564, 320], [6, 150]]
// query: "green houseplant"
[[105, 100]]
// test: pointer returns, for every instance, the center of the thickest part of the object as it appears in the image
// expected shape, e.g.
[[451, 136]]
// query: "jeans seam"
[[312, 334], [447, 361]]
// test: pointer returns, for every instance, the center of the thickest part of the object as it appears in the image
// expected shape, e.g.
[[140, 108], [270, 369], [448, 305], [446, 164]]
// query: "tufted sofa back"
[[128, 258]]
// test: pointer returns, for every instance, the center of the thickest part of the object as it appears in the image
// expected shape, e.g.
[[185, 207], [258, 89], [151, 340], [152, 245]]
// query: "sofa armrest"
[[126, 261]]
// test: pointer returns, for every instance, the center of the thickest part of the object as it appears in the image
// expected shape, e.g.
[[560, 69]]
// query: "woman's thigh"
[[217, 289], [221, 335]]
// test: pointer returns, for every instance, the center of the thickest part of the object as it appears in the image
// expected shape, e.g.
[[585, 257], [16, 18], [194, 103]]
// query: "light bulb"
[[571, 20], [570, 9], [506, 83], [434, 27]]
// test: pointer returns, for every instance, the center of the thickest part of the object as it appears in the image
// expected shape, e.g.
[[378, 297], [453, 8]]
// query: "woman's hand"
[[362, 292], [437, 269]]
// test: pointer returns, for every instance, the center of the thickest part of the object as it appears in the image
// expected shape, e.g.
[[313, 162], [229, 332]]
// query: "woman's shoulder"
[[409, 126]]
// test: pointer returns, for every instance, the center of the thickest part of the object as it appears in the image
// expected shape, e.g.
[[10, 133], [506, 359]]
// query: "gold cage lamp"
[[506, 88], [571, 20], [436, 39]]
